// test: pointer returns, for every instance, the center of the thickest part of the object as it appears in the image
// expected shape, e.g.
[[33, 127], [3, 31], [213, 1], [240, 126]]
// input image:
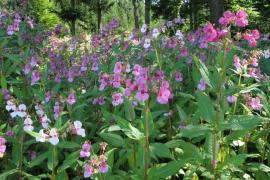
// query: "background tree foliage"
[[89, 15]]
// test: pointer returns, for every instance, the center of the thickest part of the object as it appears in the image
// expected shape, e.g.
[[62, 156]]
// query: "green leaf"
[[205, 106], [38, 160], [113, 139], [52, 158], [192, 131], [165, 170], [68, 145], [4, 175], [203, 70], [72, 158], [242, 122], [110, 155], [129, 111], [181, 113], [160, 150]]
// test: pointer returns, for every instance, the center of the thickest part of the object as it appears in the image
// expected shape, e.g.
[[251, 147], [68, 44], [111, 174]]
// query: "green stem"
[[235, 104], [146, 148]]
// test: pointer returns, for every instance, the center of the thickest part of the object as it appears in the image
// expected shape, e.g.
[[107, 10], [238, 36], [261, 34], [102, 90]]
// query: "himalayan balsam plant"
[[148, 104]]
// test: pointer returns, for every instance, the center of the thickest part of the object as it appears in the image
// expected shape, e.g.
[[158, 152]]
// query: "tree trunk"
[[99, 14], [147, 8], [73, 21], [191, 14], [135, 13], [216, 10]]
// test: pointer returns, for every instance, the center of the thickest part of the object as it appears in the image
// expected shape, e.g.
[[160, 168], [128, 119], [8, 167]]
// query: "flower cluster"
[[96, 164], [2, 146], [51, 136]]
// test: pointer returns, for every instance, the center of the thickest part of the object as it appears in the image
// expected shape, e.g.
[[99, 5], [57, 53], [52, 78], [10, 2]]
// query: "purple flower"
[[103, 167], [88, 171], [181, 125], [202, 85], [85, 152], [231, 99], [33, 155], [9, 133], [56, 110], [35, 77], [178, 76]]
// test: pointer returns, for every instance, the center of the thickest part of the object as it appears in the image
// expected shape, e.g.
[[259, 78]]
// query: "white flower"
[[45, 121], [179, 34], [128, 69], [78, 128], [10, 106], [238, 143], [53, 136], [41, 136], [28, 124], [20, 111], [130, 37], [155, 33], [143, 28], [147, 43], [266, 54], [246, 176]]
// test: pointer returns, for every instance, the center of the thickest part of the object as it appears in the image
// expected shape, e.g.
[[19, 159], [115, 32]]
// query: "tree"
[[135, 13], [147, 9], [216, 10]]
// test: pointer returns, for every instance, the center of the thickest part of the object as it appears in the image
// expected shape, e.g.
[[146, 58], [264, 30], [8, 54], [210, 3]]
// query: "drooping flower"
[[144, 28], [20, 111], [88, 171], [103, 167], [147, 43], [71, 99], [231, 99], [178, 76], [255, 103], [42, 137], [210, 33], [35, 77], [53, 137], [2, 146], [202, 85], [86, 148], [142, 93], [241, 19], [163, 95], [78, 128], [155, 33], [118, 68], [28, 124], [117, 99], [56, 110]]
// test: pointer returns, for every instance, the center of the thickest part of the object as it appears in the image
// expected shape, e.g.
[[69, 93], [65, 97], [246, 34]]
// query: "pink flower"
[[163, 95], [184, 52], [255, 62], [137, 69], [255, 103], [71, 99], [210, 33], [142, 94], [2, 146], [118, 68], [241, 19], [252, 72], [237, 63], [116, 80], [117, 99], [252, 37], [227, 18], [53, 136]]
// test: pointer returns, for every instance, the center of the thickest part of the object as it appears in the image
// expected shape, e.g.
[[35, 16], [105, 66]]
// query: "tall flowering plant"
[[140, 104]]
